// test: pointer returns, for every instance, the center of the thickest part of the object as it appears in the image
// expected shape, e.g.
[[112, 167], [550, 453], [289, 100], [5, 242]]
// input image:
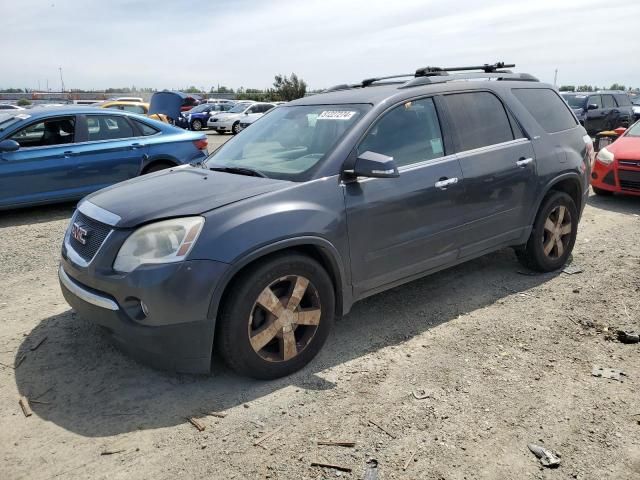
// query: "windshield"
[[575, 101], [7, 119], [633, 131], [289, 142], [635, 100], [200, 108], [239, 108]]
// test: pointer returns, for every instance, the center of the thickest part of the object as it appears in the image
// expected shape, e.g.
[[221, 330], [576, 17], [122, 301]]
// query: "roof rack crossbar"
[[499, 75], [486, 68]]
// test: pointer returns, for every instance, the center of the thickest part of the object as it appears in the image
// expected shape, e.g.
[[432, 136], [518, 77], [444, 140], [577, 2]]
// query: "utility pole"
[[61, 80], [555, 79]]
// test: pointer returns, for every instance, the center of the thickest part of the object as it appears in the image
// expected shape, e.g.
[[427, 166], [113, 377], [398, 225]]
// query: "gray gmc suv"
[[322, 202]]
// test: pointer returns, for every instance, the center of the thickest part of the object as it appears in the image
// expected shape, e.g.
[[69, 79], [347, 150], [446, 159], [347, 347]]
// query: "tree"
[[191, 89], [617, 86], [584, 88], [567, 88], [23, 102], [288, 89]]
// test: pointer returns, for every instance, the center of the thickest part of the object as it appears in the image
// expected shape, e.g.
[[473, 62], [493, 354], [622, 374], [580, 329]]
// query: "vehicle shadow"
[[627, 204], [90, 388], [33, 215]]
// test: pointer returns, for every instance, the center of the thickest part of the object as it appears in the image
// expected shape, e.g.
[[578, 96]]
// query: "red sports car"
[[617, 166]]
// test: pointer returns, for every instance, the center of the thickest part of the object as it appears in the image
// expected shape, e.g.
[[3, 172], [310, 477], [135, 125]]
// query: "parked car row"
[[604, 110]]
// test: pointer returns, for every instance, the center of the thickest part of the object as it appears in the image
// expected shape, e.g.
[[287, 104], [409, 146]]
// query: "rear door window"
[[108, 127], [479, 118], [410, 133], [608, 102], [53, 131], [546, 106]]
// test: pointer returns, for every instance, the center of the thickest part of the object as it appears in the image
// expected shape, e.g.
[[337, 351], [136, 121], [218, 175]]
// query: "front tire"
[[196, 125], [277, 317], [553, 234], [600, 191], [235, 129]]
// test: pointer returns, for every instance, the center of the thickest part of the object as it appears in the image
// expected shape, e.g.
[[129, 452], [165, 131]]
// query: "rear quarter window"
[[546, 106], [623, 100]]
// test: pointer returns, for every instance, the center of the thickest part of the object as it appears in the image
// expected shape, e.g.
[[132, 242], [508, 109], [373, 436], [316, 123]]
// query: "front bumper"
[[617, 177], [175, 335]]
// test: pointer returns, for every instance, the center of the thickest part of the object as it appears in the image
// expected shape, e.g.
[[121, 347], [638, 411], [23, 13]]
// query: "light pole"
[[61, 80]]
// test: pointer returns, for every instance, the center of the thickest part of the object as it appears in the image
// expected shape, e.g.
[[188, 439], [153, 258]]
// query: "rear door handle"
[[523, 162], [69, 153], [135, 146], [443, 183]]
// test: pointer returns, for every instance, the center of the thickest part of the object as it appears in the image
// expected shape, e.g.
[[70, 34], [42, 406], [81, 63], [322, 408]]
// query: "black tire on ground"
[[600, 191], [156, 167], [196, 125], [235, 129], [243, 317], [554, 231]]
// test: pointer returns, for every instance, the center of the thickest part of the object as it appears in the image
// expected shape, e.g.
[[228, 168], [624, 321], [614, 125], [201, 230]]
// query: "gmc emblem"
[[79, 233]]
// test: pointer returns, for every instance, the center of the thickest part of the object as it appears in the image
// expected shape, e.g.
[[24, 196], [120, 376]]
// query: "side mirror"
[[375, 165], [620, 130], [592, 106], [9, 146]]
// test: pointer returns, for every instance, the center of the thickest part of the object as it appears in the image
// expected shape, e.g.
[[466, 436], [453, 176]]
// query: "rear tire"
[[553, 234], [256, 342], [600, 191], [196, 125]]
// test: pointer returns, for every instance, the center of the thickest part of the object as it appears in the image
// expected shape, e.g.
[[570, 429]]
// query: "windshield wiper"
[[239, 171]]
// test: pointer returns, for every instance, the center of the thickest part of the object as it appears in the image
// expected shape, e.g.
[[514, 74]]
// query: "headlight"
[[161, 242], [605, 156]]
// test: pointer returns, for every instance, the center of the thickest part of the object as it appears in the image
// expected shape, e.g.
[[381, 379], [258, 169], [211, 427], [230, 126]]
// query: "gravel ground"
[[503, 358]]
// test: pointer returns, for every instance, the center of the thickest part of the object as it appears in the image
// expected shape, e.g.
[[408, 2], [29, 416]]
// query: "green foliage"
[[11, 90], [23, 102], [191, 89], [585, 88], [617, 86], [288, 89], [567, 88]]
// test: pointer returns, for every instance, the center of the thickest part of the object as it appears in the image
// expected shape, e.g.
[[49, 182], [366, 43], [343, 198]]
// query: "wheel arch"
[[158, 161], [569, 183], [317, 248]]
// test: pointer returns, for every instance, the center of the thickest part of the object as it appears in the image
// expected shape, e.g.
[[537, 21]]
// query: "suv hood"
[[178, 192]]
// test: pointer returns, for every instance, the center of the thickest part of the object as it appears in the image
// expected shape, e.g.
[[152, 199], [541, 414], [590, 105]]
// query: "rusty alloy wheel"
[[557, 232], [284, 318]]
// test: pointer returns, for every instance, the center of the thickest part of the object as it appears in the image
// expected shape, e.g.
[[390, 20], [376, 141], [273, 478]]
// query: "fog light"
[[145, 309]]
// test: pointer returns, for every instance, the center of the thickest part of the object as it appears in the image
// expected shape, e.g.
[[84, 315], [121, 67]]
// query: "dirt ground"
[[503, 357]]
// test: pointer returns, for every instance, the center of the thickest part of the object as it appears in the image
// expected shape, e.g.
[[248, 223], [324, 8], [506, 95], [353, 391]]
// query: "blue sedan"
[[54, 155]]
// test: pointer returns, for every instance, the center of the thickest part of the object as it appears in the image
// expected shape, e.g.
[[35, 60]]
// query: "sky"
[[175, 44]]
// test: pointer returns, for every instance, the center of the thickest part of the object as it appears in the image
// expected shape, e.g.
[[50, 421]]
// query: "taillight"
[[201, 144]]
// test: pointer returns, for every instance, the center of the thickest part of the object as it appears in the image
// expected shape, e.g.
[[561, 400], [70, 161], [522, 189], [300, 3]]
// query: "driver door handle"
[[443, 183], [523, 162], [135, 146]]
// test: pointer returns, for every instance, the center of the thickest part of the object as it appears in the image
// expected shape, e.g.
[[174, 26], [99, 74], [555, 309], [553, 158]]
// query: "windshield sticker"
[[336, 115]]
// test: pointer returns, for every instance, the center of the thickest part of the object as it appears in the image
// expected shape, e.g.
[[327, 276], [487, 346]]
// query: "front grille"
[[629, 163], [629, 180], [96, 233]]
